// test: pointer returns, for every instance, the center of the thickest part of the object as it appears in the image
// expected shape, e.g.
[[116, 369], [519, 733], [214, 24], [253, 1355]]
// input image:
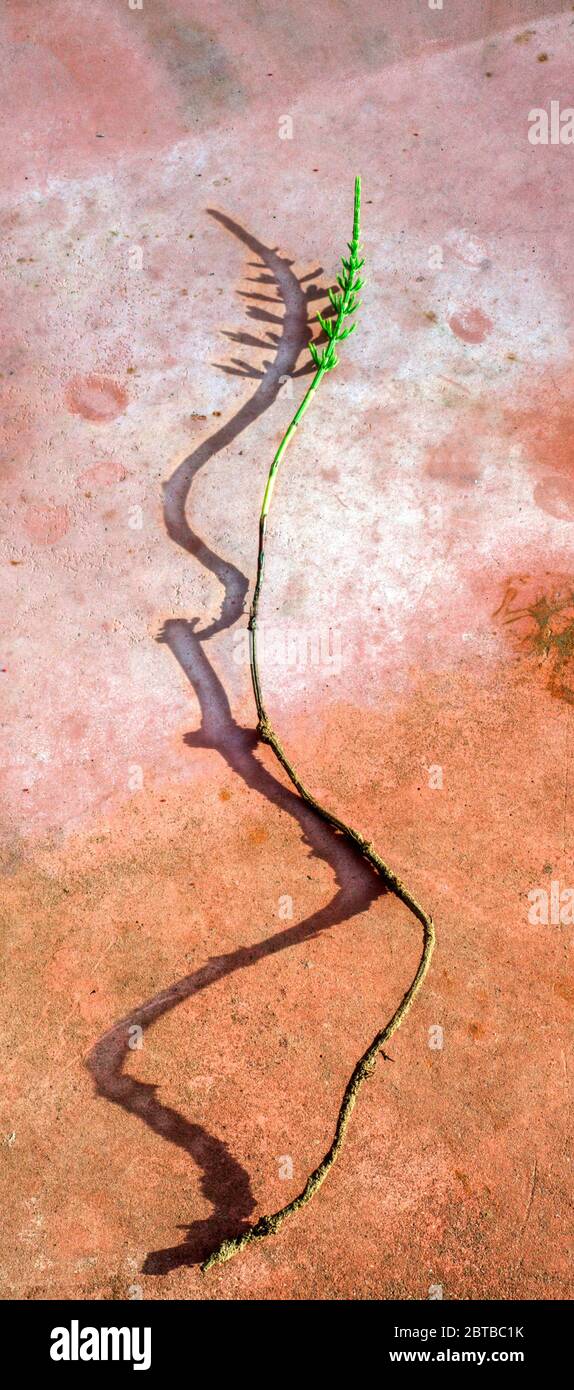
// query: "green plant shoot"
[[344, 302]]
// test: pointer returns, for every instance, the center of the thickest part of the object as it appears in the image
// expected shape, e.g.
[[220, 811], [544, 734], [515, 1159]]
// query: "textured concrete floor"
[[178, 192]]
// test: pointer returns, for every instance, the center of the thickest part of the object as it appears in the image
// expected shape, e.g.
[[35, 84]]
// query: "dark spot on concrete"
[[464, 1182], [539, 614], [476, 1031], [196, 62]]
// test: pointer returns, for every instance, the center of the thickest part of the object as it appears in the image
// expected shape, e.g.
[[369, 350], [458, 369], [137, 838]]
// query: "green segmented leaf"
[[344, 301], [328, 325]]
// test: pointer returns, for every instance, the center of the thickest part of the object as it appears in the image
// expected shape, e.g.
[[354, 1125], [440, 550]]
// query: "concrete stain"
[[203, 75], [96, 398], [105, 474], [539, 613], [470, 324], [540, 420], [45, 525]]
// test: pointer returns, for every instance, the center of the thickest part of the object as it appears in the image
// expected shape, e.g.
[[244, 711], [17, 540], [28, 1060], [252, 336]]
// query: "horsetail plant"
[[344, 302]]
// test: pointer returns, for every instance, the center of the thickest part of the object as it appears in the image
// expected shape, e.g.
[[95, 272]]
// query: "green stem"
[[305, 403], [269, 1225]]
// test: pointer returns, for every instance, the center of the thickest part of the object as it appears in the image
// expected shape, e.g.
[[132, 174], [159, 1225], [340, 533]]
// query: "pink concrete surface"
[[164, 251]]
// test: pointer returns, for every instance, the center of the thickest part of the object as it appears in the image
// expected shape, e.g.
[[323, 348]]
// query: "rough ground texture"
[[177, 193]]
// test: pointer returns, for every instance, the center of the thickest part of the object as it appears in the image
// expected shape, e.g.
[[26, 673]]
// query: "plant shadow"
[[225, 1183]]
